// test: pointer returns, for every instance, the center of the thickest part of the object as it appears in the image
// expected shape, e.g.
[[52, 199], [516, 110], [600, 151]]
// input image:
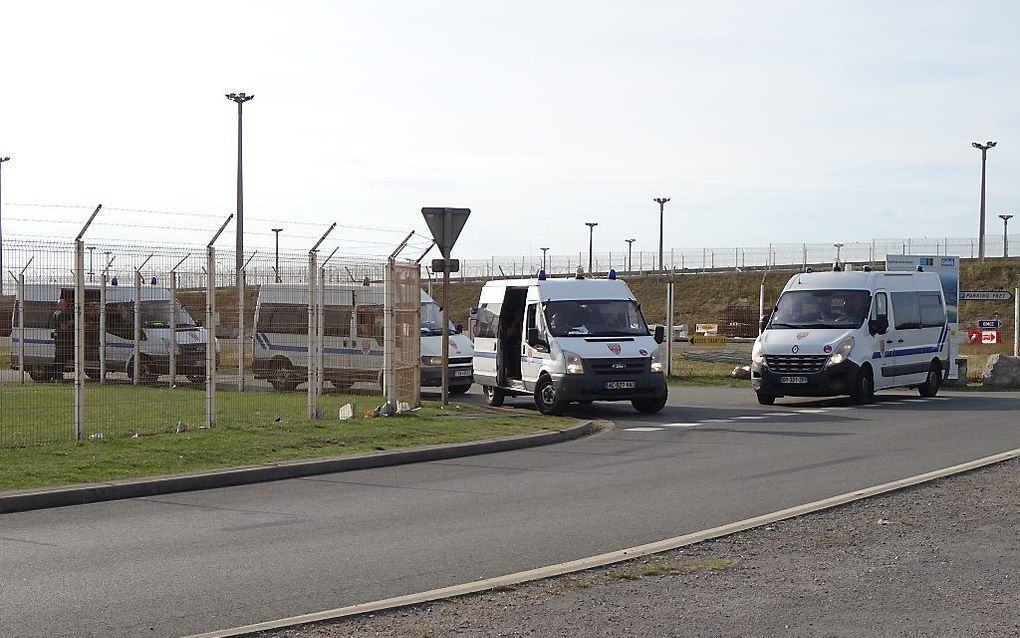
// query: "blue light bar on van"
[[541, 274], [612, 273], [113, 282], [153, 281]]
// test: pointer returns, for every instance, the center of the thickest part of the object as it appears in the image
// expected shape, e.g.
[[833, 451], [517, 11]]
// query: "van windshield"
[[432, 320], [821, 309], [597, 317], [156, 314]]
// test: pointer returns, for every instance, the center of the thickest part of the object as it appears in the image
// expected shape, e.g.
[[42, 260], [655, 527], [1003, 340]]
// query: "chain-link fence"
[[735, 257], [118, 341]]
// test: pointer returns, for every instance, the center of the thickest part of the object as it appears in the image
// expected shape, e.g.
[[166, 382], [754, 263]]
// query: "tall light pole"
[[837, 247], [591, 229], [630, 244], [661, 201], [2, 160], [91, 272], [277, 267], [1005, 237], [543, 256], [240, 99], [984, 156]]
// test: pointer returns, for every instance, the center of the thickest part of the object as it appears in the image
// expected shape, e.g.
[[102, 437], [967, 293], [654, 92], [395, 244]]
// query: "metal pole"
[[172, 345], [210, 332], [240, 329], [79, 339], [981, 230], [1016, 322], [446, 333], [544, 250], [320, 362], [313, 412], [661, 201], [277, 261], [102, 327], [136, 357], [630, 254], [1005, 237], [21, 326], [591, 231], [389, 339], [2, 160]]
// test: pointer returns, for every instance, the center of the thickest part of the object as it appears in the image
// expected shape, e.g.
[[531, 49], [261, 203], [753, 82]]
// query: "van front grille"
[[617, 366], [796, 363]]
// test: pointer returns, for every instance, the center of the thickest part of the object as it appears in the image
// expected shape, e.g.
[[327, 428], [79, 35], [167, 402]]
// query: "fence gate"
[[403, 333]]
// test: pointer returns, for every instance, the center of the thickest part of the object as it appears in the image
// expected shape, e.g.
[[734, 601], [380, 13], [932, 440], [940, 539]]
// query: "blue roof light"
[[541, 274], [612, 273]]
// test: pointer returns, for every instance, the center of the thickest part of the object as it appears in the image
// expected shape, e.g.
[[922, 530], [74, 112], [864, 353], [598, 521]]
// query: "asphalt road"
[[185, 563]]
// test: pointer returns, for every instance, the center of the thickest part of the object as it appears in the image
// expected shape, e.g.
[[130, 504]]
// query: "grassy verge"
[[251, 430], [702, 373]]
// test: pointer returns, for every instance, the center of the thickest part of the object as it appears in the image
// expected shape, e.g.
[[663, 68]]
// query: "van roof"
[[864, 280], [114, 294], [557, 289]]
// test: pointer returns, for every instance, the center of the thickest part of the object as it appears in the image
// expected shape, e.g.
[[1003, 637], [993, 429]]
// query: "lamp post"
[[543, 256], [91, 275], [591, 229], [661, 201], [1005, 237], [837, 247], [240, 99], [630, 245], [981, 231], [2, 160], [277, 262]]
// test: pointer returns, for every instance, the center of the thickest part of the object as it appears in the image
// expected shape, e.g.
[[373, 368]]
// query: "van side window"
[[370, 322], [532, 322], [37, 314], [932, 313], [488, 320], [287, 319], [338, 322], [881, 306], [906, 311]]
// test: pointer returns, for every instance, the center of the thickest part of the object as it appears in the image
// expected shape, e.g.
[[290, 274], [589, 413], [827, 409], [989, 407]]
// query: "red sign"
[[980, 337]]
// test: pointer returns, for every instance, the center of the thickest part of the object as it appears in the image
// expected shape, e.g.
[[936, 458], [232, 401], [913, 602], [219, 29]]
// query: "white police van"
[[41, 361], [854, 332], [352, 338], [567, 340]]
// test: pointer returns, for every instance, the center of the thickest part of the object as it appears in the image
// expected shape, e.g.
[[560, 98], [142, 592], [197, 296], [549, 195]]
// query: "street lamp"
[[630, 244], [591, 228], [1005, 238], [240, 99], [277, 231], [91, 276], [837, 247], [984, 156], [543, 256], [661, 201], [2, 160]]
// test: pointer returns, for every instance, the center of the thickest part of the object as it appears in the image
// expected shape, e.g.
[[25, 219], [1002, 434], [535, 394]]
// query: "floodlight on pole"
[[661, 201], [837, 247], [2, 160], [981, 229], [544, 250], [591, 228], [277, 262], [630, 245], [240, 99], [1005, 237]]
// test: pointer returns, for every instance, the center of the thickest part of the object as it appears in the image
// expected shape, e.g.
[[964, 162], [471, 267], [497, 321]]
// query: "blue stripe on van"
[[268, 345]]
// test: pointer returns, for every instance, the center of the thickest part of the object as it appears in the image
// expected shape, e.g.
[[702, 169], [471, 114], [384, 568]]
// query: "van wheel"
[[864, 387], [493, 396], [41, 374], [197, 379], [545, 397], [931, 385], [343, 385], [146, 375], [459, 389], [649, 406], [765, 398], [280, 379]]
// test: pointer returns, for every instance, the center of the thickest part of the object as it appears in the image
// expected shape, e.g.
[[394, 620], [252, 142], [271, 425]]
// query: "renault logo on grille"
[[796, 349], [619, 366]]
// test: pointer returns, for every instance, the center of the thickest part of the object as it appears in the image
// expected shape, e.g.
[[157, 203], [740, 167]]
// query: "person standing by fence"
[[62, 324]]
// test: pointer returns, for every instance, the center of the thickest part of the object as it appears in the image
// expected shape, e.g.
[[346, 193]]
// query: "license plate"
[[620, 385], [793, 380], [462, 373]]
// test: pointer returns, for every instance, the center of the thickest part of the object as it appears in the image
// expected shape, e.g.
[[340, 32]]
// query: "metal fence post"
[[669, 327], [172, 346], [389, 343], [240, 328], [79, 339], [320, 322], [313, 412], [210, 336], [1016, 322], [21, 326], [102, 328], [136, 357]]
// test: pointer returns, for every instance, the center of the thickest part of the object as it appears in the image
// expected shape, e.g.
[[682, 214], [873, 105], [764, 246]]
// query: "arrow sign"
[[985, 295], [445, 225]]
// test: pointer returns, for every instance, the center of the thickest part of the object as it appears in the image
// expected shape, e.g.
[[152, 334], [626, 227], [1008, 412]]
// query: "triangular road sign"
[[445, 224]]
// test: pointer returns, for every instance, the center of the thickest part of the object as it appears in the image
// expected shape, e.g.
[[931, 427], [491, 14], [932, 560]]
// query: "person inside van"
[[62, 324]]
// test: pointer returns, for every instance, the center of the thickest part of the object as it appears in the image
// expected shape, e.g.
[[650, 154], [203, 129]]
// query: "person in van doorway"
[[511, 333], [62, 324]]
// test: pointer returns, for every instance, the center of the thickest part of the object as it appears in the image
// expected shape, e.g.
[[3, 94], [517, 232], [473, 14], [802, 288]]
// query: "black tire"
[[459, 389], [932, 383], [493, 396], [546, 399], [343, 385], [765, 398], [41, 375], [279, 377], [650, 406], [864, 387]]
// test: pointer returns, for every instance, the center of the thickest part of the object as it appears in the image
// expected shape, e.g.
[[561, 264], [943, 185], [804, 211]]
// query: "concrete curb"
[[95, 492]]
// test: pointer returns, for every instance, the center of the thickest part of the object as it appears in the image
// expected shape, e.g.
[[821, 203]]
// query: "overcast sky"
[[763, 121]]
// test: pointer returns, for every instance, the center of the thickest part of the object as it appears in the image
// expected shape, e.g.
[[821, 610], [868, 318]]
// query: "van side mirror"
[[660, 334], [879, 325], [764, 322]]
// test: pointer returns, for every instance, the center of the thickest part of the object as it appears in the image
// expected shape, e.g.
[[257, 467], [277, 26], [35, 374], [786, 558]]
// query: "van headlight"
[[841, 352], [657, 366], [573, 363], [756, 355], [432, 361]]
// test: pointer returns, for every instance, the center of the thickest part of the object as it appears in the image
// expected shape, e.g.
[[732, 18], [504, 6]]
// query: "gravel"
[[941, 559]]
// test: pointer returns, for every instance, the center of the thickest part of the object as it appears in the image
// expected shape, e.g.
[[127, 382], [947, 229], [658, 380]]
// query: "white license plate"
[[620, 385], [462, 373], [793, 380]]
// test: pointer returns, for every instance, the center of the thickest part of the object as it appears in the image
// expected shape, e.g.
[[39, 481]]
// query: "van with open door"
[[567, 341], [852, 333]]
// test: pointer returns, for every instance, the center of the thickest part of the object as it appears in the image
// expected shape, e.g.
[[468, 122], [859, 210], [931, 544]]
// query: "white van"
[[835, 333], [567, 340], [352, 338], [40, 344]]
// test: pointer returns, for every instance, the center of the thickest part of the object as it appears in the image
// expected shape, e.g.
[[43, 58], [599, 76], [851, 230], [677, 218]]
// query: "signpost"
[[708, 340], [985, 295], [989, 324], [445, 225]]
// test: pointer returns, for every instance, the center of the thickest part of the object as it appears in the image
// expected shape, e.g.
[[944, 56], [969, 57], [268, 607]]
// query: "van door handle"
[[899, 341]]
